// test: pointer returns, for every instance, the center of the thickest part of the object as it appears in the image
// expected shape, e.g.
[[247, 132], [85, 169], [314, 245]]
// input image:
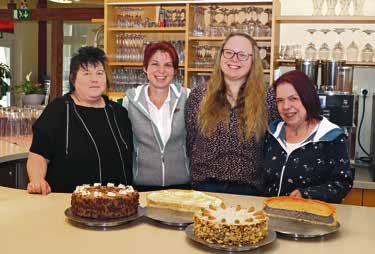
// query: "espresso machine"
[[339, 103]]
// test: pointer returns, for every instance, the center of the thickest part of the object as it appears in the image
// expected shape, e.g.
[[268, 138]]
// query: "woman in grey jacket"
[[156, 111]]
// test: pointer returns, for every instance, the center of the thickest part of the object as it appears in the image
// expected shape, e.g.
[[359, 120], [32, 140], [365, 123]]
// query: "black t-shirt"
[[60, 135]]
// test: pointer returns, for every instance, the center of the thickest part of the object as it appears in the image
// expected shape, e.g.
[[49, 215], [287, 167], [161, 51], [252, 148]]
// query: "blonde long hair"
[[215, 107]]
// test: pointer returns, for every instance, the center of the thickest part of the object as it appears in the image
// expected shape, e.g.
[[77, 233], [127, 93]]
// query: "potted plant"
[[34, 92], [4, 74]]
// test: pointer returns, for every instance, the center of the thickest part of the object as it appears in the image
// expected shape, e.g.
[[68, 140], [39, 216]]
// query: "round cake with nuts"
[[232, 226], [104, 202]]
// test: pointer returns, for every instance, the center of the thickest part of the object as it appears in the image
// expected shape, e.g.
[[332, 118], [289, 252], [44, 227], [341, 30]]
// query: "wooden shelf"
[[200, 69], [364, 64], [266, 71], [97, 21], [208, 38], [211, 69], [147, 29], [134, 64], [326, 19]]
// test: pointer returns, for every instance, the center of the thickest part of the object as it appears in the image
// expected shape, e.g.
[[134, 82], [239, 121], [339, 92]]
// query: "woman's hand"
[[39, 186], [296, 193], [37, 170]]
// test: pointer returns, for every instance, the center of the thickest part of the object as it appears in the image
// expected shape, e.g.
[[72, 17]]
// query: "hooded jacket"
[[319, 167], [64, 137], [156, 164]]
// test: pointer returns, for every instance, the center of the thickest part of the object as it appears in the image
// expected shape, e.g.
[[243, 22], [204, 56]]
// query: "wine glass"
[[358, 7], [338, 50], [331, 6], [317, 5], [344, 7], [324, 50], [368, 50], [352, 51], [310, 52]]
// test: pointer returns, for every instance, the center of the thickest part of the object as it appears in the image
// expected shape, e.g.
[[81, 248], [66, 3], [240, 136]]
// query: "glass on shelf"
[[310, 51], [352, 52], [344, 7], [199, 24], [331, 7], [338, 49], [214, 28], [324, 50], [368, 51], [358, 7], [317, 7]]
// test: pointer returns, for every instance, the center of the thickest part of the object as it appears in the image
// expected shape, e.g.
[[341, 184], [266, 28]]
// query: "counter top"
[[10, 152], [37, 224]]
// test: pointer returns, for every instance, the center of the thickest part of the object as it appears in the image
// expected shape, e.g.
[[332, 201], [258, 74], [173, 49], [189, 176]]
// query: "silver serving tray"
[[271, 236], [103, 222], [170, 217], [299, 229]]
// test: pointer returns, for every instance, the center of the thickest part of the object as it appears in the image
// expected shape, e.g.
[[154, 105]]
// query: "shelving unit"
[[279, 19], [151, 10]]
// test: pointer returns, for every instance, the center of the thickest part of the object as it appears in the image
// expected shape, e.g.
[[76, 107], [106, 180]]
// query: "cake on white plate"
[[232, 226]]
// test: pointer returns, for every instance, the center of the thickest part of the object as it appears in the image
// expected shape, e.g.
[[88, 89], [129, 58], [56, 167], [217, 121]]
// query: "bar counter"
[[37, 224]]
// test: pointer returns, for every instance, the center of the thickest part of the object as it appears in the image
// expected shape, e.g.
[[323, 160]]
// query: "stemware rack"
[[151, 10]]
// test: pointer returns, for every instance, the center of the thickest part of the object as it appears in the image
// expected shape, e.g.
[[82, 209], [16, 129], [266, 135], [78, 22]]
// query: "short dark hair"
[[86, 56], [163, 46], [305, 90]]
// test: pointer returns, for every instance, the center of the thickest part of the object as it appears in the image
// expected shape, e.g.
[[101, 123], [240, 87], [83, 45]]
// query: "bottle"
[[162, 18]]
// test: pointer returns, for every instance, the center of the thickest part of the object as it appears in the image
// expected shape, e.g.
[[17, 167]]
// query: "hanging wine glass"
[[338, 50], [214, 25], [268, 26], [368, 51], [352, 51], [310, 52], [324, 50]]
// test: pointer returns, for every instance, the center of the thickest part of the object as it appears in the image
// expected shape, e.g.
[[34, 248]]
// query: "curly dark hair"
[[86, 56]]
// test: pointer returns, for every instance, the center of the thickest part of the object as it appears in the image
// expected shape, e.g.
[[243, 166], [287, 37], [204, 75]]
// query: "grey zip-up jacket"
[[156, 164]]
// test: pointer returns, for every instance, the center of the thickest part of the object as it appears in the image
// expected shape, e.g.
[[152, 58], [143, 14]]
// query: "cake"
[[182, 200], [231, 226], [104, 202], [308, 210]]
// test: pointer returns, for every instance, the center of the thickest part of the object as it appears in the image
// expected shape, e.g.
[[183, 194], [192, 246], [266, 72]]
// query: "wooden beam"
[[57, 58], [58, 14], [42, 49], [42, 43]]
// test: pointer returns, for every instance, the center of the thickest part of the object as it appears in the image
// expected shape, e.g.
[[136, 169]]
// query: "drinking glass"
[[317, 5], [344, 7], [324, 50], [331, 6], [368, 51], [358, 7], [310, 52], [338, 49], [352, 51]]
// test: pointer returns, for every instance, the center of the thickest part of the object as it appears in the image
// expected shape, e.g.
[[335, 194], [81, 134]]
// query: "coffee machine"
[[338, 102]]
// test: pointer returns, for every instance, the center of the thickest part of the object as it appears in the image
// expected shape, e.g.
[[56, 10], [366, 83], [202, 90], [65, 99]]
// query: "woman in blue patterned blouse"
[[305, 154]]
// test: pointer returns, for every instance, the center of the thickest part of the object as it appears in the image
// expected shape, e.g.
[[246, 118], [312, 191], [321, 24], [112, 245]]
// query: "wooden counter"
[[37, 224]]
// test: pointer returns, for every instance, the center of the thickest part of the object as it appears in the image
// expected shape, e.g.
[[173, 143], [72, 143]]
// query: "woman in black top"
[[81, 137]]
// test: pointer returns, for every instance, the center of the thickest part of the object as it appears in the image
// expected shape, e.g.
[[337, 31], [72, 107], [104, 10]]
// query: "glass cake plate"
[[170, 217], [271, 236], [104, 222], [299, 229]]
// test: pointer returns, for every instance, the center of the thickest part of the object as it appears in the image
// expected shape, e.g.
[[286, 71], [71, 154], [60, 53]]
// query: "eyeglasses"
[[229, 54]]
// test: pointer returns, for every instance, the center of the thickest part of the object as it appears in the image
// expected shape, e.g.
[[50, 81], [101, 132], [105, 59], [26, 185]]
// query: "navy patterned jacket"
[[319, 168]]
